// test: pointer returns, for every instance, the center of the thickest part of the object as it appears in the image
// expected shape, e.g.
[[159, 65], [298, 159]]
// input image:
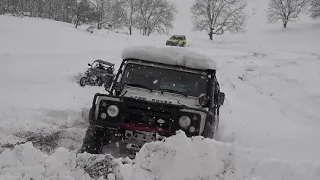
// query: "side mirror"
[[89, 64], [118, 86], [221, 97]]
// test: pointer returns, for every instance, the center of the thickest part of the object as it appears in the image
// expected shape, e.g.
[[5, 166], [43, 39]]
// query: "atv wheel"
[[93, 141], [83, 81]]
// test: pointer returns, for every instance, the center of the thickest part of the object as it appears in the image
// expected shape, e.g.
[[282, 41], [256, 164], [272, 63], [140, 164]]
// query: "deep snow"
[[269, 123]]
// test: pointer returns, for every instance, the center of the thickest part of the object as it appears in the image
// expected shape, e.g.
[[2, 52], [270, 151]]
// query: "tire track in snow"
[[253, 119], [46, 129]]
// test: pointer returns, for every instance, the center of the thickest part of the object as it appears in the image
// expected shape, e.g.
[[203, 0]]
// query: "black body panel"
[[139, 113]]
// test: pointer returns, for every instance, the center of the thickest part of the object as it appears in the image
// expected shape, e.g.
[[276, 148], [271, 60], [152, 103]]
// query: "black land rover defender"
[[152, 98]]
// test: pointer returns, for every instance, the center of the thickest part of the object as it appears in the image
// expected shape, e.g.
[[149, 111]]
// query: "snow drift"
[[26, 162], [175, 158]]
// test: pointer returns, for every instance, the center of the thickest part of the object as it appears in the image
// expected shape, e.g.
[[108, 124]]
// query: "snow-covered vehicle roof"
[[170, 55], [178, 35]]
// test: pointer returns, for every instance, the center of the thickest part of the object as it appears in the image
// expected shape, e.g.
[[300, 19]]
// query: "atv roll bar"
[[103, 62]]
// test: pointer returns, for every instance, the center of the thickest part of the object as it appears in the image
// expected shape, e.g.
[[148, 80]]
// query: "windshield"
[[174, 38], [157, 78]]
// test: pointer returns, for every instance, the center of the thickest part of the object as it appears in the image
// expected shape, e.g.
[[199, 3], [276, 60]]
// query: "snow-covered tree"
[[83, 12], [155, 16], [4, 5], [218, 16], [106, 13], [101, 7], [285, 10], [315, 9], [129, 10]]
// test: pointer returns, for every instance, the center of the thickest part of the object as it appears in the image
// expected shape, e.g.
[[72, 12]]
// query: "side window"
[[213, 95]]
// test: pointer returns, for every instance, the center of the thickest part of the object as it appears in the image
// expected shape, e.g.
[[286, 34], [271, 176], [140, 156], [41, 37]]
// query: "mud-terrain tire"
[[216, 134], [93, 141], [208, 131], [91, 115]]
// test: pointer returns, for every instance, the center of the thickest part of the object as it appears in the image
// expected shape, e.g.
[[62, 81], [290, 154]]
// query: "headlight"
[[104, 104], [103, 115], [192, 129], [184, 121], [113, 111], [195, 117]]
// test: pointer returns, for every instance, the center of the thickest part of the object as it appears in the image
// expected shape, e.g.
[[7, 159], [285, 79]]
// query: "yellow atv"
[[177, 40]]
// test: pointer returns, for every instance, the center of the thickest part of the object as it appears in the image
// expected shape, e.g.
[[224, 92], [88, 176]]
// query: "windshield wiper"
[[138, 85], [173, 91]]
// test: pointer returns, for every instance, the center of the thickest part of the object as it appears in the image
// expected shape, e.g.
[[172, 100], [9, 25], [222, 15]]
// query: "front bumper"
[[134, 140], [170, 43], [130, 141], [138, 121]]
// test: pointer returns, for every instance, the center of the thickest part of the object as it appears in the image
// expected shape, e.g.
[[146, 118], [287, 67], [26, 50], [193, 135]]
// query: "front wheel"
[[93, 141], [216, 135]]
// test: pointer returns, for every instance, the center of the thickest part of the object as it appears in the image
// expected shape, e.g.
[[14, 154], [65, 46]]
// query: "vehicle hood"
[[158, 97]]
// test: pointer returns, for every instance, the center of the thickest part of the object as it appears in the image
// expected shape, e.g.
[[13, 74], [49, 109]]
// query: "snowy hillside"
[[269, 123]]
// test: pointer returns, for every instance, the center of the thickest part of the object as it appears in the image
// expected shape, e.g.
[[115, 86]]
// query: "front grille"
[[150, 107], [148, 120], [148, 113]]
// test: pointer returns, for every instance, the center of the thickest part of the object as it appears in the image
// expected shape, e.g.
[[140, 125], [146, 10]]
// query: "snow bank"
[[26, 162], [182, 158], [175, 158], [170, 55], [179, 158]]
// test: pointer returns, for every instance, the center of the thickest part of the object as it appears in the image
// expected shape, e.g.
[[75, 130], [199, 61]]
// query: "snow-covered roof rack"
[[170, 55]]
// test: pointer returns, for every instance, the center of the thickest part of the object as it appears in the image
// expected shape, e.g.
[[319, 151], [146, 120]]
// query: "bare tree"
[[218, 16], [155, 16], [106, 13], [129, 9], [101, 6], [285, 10], [315, 9], [83, 12], [4, 6]]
